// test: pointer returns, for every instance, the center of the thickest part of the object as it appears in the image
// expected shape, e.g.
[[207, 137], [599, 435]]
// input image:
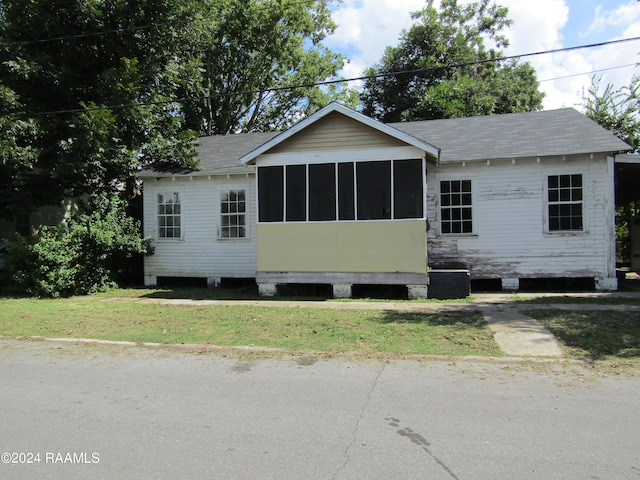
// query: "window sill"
[[566, 233], [457, 235], [234, 240]]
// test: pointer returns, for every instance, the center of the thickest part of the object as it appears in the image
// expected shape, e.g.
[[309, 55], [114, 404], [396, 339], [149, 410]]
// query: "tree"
[[442, 68], [617, 110], [86, 97], [258, 62], [97, 89]]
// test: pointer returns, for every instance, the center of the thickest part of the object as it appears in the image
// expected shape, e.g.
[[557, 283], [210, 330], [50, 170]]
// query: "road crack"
[[354, 434]]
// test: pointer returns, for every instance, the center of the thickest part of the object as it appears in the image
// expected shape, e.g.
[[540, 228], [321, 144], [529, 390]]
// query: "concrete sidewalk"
[[520, 335]]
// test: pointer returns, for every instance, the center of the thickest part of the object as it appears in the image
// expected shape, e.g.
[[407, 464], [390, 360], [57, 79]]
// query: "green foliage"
[[79, 255], [87, 95], [448, 70], [624, 215], [617, 110], [240, 50], [92, 91]]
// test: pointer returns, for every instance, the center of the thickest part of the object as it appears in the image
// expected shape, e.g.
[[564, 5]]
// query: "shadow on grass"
[[594, 334], [599, 299], [461, 320]]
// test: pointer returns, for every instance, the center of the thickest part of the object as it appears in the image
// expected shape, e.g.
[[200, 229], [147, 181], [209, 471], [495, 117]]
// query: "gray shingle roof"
[[514, 135], [220, 154]]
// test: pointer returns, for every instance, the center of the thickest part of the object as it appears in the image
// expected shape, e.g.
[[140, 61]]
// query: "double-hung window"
[[233, 211], [169, 215], [456, 207], [565, 203]]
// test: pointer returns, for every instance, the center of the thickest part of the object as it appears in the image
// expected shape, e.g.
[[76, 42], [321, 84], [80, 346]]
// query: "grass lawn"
[[292, 329], [594, 335], [601, 299], [298, 293]]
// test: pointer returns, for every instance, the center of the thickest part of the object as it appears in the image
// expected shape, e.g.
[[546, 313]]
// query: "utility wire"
[[588, 73], [338, 81]]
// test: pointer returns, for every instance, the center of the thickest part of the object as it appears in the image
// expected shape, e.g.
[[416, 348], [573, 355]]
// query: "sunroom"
[[341, 201]]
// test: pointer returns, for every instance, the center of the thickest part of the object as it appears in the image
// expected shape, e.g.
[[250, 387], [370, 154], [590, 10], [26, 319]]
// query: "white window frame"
[[231, 212], [549, 203], [161, 213], [472, 206]]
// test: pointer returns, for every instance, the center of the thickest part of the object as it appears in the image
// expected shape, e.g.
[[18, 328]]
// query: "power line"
[[337, 81], [588, 73]]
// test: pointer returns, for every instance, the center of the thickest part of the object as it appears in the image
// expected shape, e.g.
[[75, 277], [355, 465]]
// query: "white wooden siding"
[[200, 252], [511, 236], [509, 214]]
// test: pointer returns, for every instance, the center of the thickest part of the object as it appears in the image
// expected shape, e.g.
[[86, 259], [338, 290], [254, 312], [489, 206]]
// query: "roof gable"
[[336, 108]]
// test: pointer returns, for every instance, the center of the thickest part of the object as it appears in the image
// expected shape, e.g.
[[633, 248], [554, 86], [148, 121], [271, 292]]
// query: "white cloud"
[[612, 63], [618, 17], [366, 27]]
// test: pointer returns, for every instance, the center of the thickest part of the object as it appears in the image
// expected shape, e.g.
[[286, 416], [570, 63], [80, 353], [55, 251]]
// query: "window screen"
[[374, 190], [296, 193], [322, 192], [346, 202], [407, 189], [270, 194]]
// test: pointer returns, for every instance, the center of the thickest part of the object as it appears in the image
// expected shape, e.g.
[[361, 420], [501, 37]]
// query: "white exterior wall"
[[200, 252], [510, 227]]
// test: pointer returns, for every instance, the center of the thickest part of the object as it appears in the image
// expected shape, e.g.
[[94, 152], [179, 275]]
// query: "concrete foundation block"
[[213, 282], [510, 284], [606, 283], [150, 281], [417, 291], [342, 290], [267, 289]]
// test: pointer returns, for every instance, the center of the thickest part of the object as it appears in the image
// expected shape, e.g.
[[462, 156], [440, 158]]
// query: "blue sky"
[[365, 27]]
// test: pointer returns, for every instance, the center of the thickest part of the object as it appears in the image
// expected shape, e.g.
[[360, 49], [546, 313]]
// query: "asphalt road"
[[133, 413]]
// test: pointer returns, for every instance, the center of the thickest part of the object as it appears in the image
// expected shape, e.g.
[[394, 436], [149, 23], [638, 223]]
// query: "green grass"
[[601, 299], [292, 329], [594, 335], [248, 293]]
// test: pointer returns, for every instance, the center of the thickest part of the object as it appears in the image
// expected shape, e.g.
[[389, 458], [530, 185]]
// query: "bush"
[[78, 256]]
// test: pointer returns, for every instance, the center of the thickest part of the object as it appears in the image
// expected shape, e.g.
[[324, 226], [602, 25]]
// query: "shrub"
[[79, 255]]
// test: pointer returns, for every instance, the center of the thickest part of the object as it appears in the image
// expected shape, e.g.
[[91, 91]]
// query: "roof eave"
[[429, 149]]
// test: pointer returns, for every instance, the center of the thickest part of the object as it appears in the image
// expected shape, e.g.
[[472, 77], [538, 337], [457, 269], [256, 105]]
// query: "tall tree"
[[442, 68], [258, 62], [93, 90], [86, 96]]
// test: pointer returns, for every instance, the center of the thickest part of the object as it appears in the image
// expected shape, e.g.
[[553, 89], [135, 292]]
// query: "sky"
[[366, 27]]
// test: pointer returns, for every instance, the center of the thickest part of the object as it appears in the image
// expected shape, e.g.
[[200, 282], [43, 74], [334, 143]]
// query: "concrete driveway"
[[133, 413]]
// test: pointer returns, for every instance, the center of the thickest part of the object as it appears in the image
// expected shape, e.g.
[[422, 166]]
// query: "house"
[[343, 199], [28, 225]]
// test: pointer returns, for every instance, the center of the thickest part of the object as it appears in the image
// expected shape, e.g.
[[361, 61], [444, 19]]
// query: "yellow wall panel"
[[385, 246]]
